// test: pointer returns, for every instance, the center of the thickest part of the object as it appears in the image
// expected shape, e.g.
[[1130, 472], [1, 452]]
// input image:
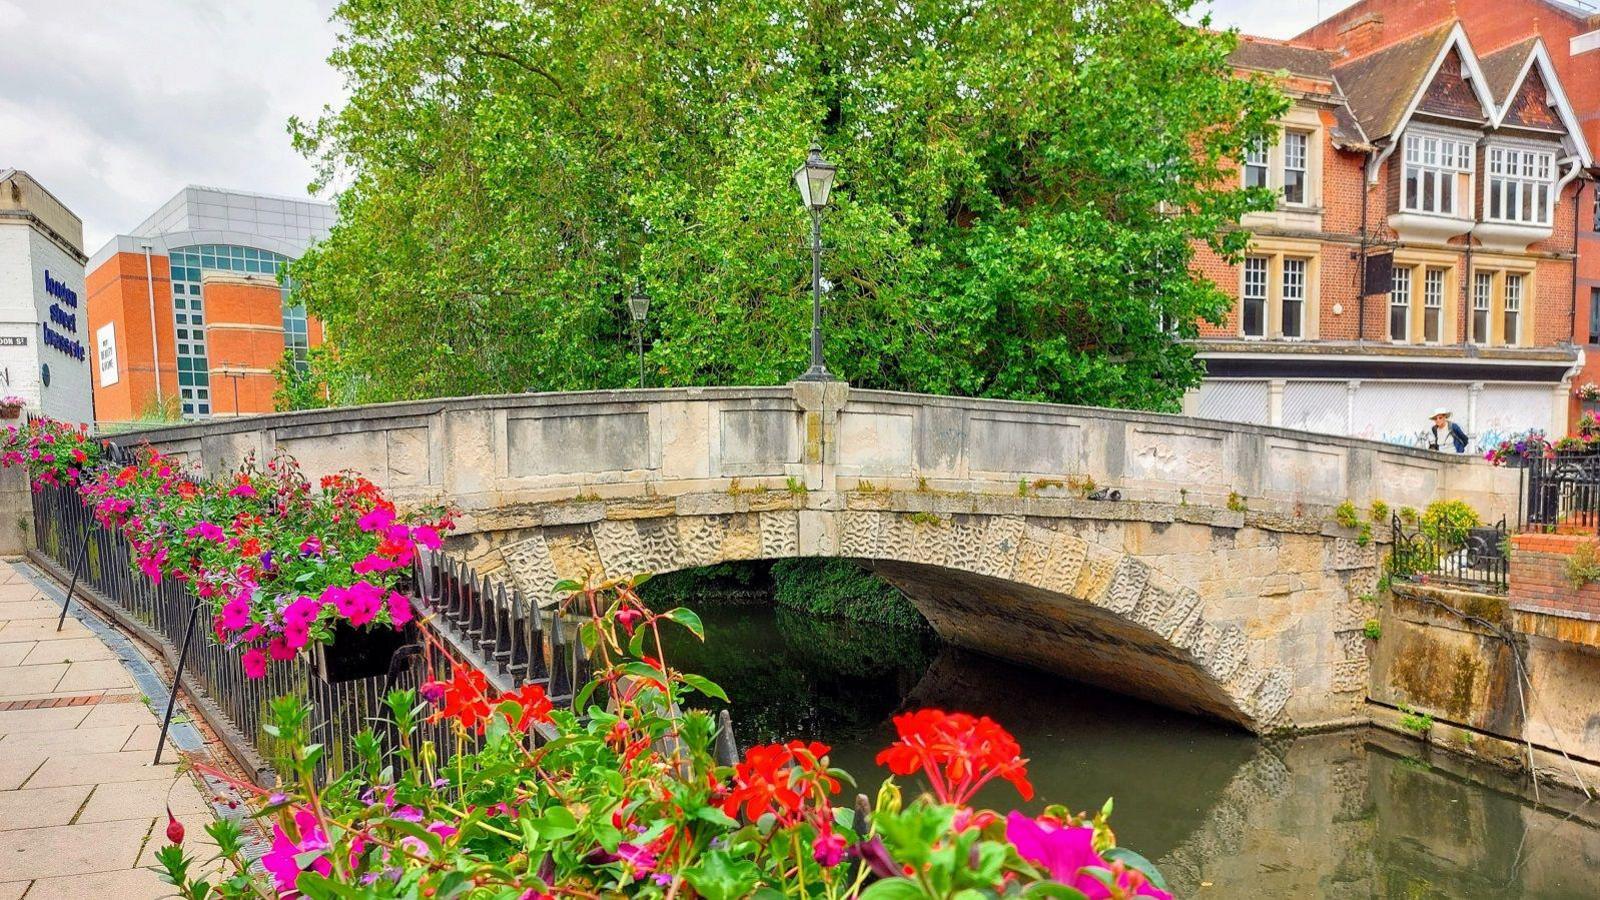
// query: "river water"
[[1349, 814]]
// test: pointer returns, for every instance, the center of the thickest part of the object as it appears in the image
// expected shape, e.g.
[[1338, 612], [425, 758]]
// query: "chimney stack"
[[1362, 34]]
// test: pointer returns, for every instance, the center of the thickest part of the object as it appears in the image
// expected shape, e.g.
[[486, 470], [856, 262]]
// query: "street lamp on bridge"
[[639, 308], [814, 179]]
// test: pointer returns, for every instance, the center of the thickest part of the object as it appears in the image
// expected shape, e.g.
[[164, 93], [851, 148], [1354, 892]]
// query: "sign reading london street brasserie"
[[63, 343]]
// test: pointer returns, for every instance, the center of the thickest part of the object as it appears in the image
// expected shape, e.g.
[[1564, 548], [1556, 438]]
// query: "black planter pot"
[[358, 653]]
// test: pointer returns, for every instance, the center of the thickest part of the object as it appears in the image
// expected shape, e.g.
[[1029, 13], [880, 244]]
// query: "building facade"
[[44, 343], [1424, 250], [189, 312]]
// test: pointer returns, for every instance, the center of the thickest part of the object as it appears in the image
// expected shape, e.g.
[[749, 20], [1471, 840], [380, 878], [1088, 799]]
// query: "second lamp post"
[[639, 308], [815, 181]]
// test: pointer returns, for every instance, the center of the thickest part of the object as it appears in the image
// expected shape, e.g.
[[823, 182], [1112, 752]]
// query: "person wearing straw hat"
[[1445, 430]]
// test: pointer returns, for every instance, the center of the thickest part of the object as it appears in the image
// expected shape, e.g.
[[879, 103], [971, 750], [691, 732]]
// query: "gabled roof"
[[1386, 85], [1538, 59], [1504, 68]]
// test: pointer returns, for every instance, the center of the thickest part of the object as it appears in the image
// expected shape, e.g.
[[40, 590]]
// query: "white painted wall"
[[25, 255]]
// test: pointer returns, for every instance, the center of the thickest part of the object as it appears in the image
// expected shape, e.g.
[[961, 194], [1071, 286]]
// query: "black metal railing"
[[1562, 492], [1477, 559], [473, 619]]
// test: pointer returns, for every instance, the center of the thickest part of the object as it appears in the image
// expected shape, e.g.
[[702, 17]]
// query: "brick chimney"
[[1363, 33]]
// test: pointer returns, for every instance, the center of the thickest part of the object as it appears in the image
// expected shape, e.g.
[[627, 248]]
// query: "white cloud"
[[115, 106], [1269, 18]]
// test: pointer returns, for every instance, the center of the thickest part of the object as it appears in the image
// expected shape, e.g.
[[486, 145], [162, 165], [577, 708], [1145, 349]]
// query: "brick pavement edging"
[[60, 702]]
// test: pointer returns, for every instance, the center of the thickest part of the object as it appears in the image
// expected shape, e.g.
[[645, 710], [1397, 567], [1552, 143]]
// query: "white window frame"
[[1293, 291], [1258, 156], [1245, 297], [1437, 160], [1400, 297], [1482, 302], [1302, 165], [1433, 304], [1511, 308], [1520, 179]]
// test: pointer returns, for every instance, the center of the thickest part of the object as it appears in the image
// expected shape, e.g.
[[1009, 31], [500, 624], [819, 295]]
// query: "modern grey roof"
[[208, 215]]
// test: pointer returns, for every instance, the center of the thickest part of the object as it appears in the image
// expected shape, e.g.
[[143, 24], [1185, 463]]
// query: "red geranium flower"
[[958, 752], [465, 699], [767, 781]]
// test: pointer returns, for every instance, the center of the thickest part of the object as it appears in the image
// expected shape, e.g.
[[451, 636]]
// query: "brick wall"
[[1539, 575], [119, 293]]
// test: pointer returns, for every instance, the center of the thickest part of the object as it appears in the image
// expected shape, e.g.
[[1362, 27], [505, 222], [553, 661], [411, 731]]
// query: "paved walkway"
[[82, 806]]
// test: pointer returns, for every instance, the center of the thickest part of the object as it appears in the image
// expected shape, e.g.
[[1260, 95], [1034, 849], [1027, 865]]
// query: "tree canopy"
[[1021, 188]]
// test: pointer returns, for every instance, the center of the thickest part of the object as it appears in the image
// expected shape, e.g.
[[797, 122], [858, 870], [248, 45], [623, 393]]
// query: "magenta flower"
[[282, 861], [427, 536], [254, 662], [399, 609], [378, 517], [236, 614], [374, 563], [828, 849], [243, 489], [640, 858], [1066, 851], [278, 648], [205, 531], [301, 612]]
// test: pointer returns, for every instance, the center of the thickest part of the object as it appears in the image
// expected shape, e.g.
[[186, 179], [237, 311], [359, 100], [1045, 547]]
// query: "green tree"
[[1022, 188]]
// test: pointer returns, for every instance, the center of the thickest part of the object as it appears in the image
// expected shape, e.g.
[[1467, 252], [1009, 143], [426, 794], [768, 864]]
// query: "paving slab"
[[72, 849], [18, 721], [13, 890], [16, 770], [102, 768], [41, 630], [70, 650], [41, 807], [118, 714], [108, 739], [94, 675], [128, 884], [14, 654], [145, 800], [24, 681], [17, 610]]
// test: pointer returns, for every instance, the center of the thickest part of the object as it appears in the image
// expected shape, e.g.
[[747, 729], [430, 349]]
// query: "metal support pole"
[[638, 340], [77, 572], [177, 679], [818, 371]]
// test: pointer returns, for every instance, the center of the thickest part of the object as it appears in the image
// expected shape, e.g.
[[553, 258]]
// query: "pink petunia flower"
[[1066, 851]]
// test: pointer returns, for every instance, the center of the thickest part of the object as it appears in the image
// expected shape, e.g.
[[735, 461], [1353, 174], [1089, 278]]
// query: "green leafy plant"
[[1345, 514], [1237, 503], [1380, 512], [1408, 515], [923, 517], [623, 796], [796, 486], [1448, 521], [1583, 565], [1373, 629], [1415, 720], [1363, 534]]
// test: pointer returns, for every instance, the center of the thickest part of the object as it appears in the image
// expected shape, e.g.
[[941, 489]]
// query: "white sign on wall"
[[106, 340]]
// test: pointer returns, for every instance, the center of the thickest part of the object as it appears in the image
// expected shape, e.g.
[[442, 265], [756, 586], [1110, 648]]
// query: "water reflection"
[[1348, 814]]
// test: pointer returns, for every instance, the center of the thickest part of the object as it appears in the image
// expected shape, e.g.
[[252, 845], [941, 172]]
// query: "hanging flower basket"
[[11, 407], [358, 653]]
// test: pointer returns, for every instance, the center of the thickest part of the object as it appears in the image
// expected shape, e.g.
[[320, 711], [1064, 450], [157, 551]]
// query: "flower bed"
[[627, 800], [280, 563]]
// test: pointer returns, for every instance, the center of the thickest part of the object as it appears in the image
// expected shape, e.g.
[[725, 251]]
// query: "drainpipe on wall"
[[1361, 270], [1572, 314], [155, 351]]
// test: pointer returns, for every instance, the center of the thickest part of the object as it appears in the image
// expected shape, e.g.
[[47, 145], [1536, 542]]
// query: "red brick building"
[[187, 312], [1466, 167]]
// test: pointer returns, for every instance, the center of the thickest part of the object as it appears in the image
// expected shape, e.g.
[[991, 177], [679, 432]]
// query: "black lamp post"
[[639, 308], [815, 182]]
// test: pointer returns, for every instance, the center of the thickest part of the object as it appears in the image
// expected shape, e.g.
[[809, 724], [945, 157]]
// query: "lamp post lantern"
[[639, 308], [814, 180]]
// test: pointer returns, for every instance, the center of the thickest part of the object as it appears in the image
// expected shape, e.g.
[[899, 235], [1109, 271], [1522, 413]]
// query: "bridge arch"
[[1034, 592]]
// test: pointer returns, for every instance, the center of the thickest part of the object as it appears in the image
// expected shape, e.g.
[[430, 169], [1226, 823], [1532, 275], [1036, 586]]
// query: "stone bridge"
[[1217, 583]]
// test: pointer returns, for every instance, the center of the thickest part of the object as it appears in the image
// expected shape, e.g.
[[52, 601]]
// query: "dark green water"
[[1348, 814]]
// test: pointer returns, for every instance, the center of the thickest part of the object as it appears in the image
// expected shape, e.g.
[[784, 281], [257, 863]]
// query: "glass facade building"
[[188, 311]]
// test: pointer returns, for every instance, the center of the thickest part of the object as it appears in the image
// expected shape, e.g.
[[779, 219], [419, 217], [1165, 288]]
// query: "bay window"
[[1438, 175], [1520, 186], [1400, 306], [1253, 299]]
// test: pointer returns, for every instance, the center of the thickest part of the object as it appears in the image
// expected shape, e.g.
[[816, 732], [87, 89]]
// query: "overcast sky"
[[114, 105]]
